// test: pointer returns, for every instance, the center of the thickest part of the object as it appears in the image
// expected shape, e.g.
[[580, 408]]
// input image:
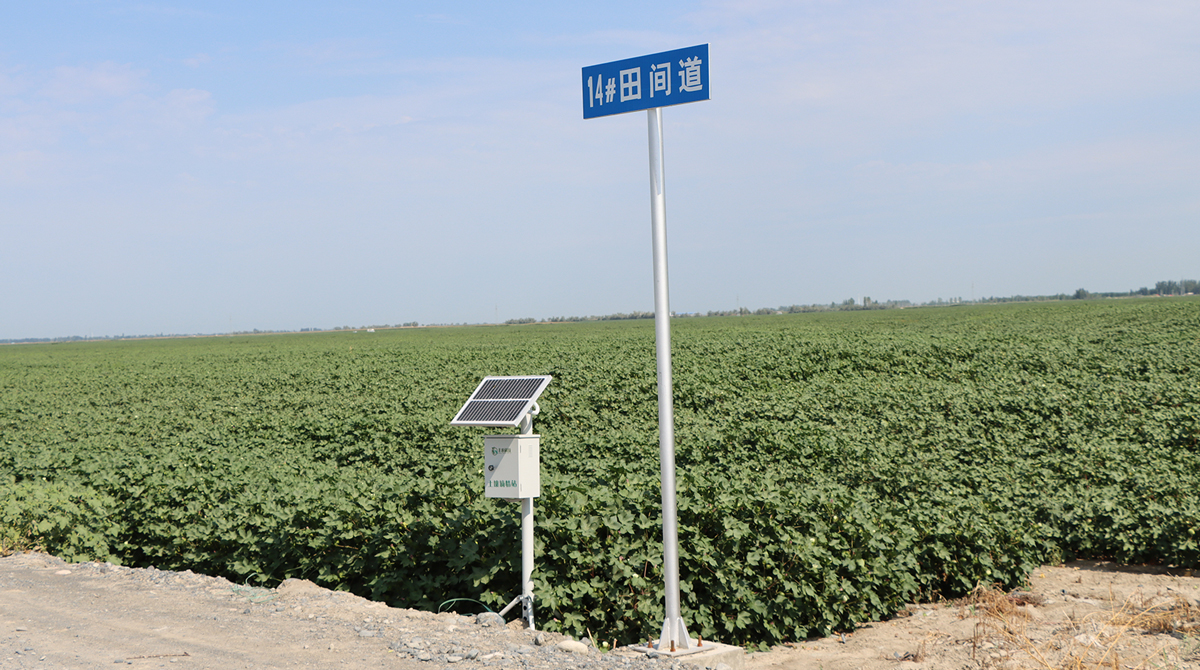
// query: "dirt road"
[[90, 615]]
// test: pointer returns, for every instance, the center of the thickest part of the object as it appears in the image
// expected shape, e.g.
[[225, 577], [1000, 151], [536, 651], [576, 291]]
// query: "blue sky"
[[188, 167]]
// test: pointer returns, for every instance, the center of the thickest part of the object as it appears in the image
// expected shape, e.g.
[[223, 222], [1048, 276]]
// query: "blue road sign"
[[646, 82]]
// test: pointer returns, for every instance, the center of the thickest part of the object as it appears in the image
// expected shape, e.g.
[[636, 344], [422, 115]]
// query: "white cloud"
[[441, 19], [326, 52], [182, 107], [922, 61], [27, 128], [73, 85], [11, 83], [16, 166], [197, 60]]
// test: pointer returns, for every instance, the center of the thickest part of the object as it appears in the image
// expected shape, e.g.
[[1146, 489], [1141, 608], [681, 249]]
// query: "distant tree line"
[[1162, 288], [1170, 287], [848, 304], [575, 319]]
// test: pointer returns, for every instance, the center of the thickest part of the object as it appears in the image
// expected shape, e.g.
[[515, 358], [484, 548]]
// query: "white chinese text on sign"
[[657, 80]]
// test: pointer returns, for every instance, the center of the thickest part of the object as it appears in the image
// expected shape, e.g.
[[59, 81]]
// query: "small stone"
[[424, 656], [368, 633], [540, 639], [573, 646], [454, 659], [471, 655], [489, 619]]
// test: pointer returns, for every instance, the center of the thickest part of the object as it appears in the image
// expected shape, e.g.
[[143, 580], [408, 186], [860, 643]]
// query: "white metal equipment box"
[[512, 466]]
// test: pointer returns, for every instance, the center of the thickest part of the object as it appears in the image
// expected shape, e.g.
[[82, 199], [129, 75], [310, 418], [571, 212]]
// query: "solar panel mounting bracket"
[[503, 402]]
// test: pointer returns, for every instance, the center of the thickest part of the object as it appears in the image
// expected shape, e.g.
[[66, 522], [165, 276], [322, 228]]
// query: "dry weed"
[[1003, 621], [1178, 615], [16, 540], [1092, 642]]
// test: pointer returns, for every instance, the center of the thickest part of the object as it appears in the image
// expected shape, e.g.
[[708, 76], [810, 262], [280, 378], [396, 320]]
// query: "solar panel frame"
[[501, 402]]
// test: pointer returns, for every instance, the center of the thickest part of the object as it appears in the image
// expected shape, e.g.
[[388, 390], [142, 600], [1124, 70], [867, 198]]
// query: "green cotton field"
[[831, 467]]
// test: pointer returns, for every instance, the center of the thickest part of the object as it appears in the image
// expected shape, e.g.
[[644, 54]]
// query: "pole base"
[[674, 640], [674, 634], [701, 653], [656, 647]]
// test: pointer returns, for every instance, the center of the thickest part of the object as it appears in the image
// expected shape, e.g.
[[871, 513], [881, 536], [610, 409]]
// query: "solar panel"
[[501, 401]]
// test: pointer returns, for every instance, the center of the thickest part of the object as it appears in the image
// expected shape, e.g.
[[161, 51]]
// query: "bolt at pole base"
[[674, 635]]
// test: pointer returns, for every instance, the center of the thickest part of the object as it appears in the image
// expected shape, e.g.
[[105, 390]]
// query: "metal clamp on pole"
[[526, 600], [527, 610]]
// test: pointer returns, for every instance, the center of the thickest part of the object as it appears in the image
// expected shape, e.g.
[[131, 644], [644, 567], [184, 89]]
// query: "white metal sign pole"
[[674, 632], [631, 85]]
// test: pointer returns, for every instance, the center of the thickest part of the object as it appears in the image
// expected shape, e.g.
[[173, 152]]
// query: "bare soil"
[[93, 615], [1085, 614]]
